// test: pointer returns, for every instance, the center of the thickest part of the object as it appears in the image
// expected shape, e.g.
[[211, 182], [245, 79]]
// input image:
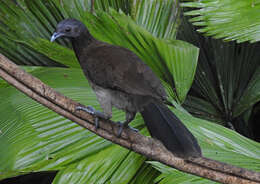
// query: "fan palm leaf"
[[226, 85], [228, 19]]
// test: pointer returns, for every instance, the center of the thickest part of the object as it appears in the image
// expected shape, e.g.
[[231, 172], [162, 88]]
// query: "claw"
[[134, 129], [87, 109], [96, 123], [92, 111], [122, 126]]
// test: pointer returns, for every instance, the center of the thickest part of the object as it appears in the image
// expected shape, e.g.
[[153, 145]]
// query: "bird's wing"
[[118, 68]]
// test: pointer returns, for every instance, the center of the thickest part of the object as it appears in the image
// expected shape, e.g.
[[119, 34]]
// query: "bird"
[[122, 80]]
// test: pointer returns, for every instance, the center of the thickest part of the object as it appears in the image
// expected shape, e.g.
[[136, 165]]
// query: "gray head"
[[70, 28]]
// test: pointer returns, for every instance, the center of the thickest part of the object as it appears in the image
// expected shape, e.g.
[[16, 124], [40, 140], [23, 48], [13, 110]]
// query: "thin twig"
[[148, 147]]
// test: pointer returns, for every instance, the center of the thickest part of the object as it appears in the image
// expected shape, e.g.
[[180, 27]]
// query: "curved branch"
[[131, 140]]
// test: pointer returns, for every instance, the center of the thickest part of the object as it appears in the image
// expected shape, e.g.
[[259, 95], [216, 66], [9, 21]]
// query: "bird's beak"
[[55, 36]]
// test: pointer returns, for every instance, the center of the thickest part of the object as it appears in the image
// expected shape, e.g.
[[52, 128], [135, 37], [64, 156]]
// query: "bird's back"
[[117, 68]]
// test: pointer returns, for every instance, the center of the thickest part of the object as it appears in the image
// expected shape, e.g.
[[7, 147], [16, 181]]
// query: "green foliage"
[[159, 17], [37, 139], [251, 94], [54, 51], [229, 19], [169, 175], [18, 24], [226, 84]]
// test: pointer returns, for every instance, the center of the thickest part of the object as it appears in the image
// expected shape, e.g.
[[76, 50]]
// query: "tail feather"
[[166, 127]]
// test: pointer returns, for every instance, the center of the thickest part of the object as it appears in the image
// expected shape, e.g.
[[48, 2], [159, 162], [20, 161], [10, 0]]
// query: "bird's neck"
[[82, 42]]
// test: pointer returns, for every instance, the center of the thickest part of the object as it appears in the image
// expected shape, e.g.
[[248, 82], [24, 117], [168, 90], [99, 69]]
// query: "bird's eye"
[[67, 29]]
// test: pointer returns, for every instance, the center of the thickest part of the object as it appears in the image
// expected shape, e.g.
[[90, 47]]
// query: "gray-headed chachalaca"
[[121, 79]]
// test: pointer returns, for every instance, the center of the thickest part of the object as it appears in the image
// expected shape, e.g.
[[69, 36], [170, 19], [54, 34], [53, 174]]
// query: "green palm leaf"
[[37, 139], [228, 19], [251, 94], [226, 81], [158, 17], [19, 23]]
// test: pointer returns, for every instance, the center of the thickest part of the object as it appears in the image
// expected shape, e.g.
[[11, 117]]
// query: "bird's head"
[[70, 28]]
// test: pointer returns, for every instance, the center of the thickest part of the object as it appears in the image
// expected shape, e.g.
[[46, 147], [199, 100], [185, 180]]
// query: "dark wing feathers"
[[118, 68]]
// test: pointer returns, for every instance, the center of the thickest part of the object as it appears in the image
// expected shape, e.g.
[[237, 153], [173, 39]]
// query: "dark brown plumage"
[[119, 78]]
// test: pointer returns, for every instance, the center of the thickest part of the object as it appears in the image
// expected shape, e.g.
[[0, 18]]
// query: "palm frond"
[[18, 22], [250, 96], [37, 139], [228, 19], [159, 17], [226, 72]]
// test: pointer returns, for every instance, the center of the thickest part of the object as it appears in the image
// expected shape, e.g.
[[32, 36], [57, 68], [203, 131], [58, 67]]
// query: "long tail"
[[166, 127]]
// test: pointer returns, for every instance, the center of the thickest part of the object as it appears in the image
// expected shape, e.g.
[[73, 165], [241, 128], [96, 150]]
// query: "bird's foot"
[[94, 112], [122, 126]]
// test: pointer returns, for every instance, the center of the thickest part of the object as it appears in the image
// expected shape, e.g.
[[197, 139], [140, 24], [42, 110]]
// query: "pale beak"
[[56, 35]]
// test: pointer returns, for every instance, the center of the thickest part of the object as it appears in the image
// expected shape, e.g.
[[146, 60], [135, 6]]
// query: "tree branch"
[[204, 167]]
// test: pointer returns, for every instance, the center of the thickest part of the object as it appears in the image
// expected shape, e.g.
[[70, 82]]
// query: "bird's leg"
[[129, 116], [97, 114]]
